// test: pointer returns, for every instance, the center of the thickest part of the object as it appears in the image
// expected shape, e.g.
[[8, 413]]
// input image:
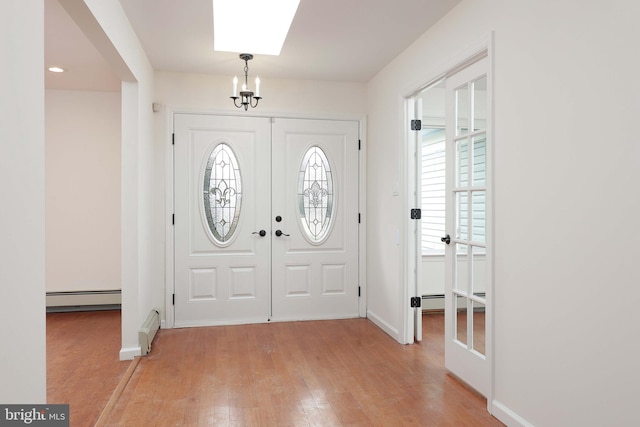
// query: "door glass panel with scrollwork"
[[222, 193], [315, 195]]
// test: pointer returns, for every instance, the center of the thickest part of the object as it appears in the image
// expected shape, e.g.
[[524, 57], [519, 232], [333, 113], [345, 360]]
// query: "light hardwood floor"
[[83, 366], [325, 373]]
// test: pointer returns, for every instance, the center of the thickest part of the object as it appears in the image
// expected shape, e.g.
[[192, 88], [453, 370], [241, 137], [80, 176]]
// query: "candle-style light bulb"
[[257, 86], [235, 86]]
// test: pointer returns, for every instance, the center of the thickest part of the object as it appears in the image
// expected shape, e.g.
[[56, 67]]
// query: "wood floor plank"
[[83, 367], [325, 373]]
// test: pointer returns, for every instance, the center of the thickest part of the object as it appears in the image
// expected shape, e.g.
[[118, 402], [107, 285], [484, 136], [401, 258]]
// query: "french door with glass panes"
[[265, 219], [467, 254]]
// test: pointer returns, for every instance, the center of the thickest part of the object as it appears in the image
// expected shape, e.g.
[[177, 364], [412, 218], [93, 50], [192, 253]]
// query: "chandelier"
[[246, 97]]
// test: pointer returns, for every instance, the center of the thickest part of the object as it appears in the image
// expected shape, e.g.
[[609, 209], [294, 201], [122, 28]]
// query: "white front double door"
[[266, 219]]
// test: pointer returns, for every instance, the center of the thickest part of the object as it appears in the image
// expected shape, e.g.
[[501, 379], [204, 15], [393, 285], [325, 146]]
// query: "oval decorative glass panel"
[[222, 193], [315, 194]]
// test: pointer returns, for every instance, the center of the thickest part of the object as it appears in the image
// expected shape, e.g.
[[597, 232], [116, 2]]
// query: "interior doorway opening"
[[83, 129], [450, 180], [431, 159]]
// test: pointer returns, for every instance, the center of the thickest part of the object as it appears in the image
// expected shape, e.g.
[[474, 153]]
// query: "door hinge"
[[416, 302], [416, 213], [416, 124], [359, 218], [359, 291], [359, 145], [173, 219], [173, 299], [173, 139]]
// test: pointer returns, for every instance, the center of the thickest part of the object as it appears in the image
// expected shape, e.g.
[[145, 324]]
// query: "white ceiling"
[[333, 40], [66, 46]]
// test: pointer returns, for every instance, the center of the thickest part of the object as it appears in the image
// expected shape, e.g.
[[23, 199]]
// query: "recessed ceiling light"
[[56, 69], [255, 26]]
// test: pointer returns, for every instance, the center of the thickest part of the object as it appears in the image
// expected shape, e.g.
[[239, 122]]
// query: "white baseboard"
[[507, 416], [383, 325], [129, 353]]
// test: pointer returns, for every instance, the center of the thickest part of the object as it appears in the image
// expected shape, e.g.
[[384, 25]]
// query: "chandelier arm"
[[235, 99]]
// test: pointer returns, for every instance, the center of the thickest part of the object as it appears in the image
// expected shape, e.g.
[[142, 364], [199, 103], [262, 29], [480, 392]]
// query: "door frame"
[[165, 297], [411, 271]]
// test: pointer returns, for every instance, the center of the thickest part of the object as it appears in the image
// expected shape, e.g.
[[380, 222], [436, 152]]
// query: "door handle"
[[262, 233], [280, 233], [446, 239]]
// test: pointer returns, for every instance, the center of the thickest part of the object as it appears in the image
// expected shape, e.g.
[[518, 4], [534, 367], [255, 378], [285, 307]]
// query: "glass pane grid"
[[479, 103], [479, 164], [462, 215], [470, 216], [460, 310], [462, 163], [462, 109], [461, 272], [478, 273], [478, 216], [469, 196], [478, 327]]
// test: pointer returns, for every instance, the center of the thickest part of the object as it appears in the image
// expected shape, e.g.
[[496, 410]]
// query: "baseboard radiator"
[[148, 331], [83, 301], [435, 302]]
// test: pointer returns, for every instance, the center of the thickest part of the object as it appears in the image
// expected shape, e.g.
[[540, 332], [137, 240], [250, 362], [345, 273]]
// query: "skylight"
[[252, 26]]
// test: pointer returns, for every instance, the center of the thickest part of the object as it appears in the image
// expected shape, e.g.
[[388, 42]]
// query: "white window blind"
[[433, 190]]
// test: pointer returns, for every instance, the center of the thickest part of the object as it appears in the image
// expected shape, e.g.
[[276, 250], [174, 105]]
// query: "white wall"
[[22, 222], [124, 52], [108, 28], [565, 178], [82, 158], [210, 94]]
